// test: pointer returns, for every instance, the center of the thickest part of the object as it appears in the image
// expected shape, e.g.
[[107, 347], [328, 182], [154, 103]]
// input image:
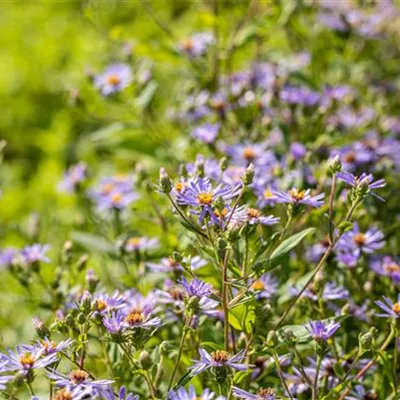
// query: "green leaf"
[[290, 243], [147, 94], [184, 380], [92, 242]]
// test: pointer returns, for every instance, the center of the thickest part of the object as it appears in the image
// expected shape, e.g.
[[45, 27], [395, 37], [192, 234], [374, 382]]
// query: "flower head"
[[296, 197], [391, 310], [114, 79], [322, 331], [206, 133], [35, 253], [73, 177], [217, 359], [262, 394]]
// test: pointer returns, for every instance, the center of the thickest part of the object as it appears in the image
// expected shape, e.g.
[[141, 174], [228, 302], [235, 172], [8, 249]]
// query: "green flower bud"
[[222, 243], [176, 256], [69, 321], [272, 339], [335, 165], [145, 361], [40, 328], [289, 336], [248, 176], [223, 164], [81, 263], [165, 181], [165, 348], [81, 318]]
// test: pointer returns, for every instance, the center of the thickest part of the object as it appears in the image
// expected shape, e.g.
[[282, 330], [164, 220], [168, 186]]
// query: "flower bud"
[[223, 164], [366, 341], [165, 181], [289, 336], [91, 280], [40, 327], [272, 339], [335, 164], [164, 348], [81, 318], [248, 176], [176, 256], [69, 321], [81, 263], [145, 360], [222, 243]]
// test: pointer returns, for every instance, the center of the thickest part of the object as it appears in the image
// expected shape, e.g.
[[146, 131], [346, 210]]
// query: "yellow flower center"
[[205, 198], [78, 376], [359, 239], [179, 186], [296, 194], [107, 188], [62, 395], [113, 80], [267, 194], [27, 359], [258, 285], [172, 263], [266, 392], [187, 44], [253, 213], [392, 268], [116, 198], [220, 356], [249, 154], [396, 308], [49, 345], [135, 317], [221, 214], [101, 305], [134, 241]]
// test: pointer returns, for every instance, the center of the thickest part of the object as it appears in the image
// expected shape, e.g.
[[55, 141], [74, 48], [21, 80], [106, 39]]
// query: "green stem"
[[225, 298], [315, 384], [281, 377]]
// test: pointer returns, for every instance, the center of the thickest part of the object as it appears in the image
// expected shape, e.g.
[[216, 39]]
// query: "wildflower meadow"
[[200, 199]]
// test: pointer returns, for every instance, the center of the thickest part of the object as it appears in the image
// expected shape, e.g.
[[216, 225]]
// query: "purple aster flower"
[[26, 360], [140, 243], [322, 331], [300, 95], [363, 179], [297, 151], [168, 264], [196, 287], [196, 45], [35, 253], [73, 393], [296, 197], [104, 303], [47, 346], [392, 310], [206, 133], [190, 394], [114, 79], [265, 286], [200, 193], [79, 378], [123, 395], [7, 256], [114, 322], [262, 394], [346, 118], [218, 359], [73, 177], [244, 154], [387, 266], [356, 242]]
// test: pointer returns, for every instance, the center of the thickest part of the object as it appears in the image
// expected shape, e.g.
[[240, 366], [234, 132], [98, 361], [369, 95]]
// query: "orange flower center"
[[258, 285], [220, 356], [134, 241], [27, 359], [396, 308], [107, 188], [187, 44], [205, 198], [116, 198], [266, 392], [253, 213], [113, 80], [359, 239], [62, 395], [296, 194], [101, 305], [134, 318], [78, 376], [392, 268], [221, 214], [249, 153], [179, 186], [350, 157]]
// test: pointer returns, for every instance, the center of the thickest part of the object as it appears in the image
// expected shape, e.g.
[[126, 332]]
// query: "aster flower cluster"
[[250, 251]]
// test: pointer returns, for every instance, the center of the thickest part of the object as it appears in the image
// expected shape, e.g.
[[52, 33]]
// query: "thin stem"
[[301, 367], [185, 218], [30, 388], [180, 351], [315, 384], [235, 206], [225, 298], [281, 377], [369, 365], [161, 24], [331, 199]]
